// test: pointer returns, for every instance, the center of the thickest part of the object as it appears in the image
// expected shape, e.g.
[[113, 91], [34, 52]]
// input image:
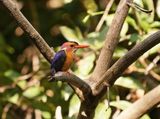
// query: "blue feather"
[[58, 62]]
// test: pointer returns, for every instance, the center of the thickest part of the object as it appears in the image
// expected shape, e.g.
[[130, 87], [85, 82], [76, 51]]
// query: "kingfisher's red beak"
[[81, 46]]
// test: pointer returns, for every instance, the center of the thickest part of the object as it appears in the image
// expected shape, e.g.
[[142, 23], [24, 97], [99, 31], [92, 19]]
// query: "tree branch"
[[141, 106], [108, 7], [75, 82], [80, 87], [111, 40], [43, 47], [118, 68]]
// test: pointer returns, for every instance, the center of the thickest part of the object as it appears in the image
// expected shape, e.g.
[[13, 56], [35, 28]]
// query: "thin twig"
[[136, 6], [152, 73], [108, 7], [152, 64]]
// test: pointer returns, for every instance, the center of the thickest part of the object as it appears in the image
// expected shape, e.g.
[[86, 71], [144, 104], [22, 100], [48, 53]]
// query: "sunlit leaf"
[[14, 98], [155, 24], [124, 29], [109, 20], [119, 52], [32, 92], [158, 8], [46, 115], [122, 104], [86, 18], [90, 5], [150, 6], [86, 64], [22, 84], [129, 82], [74, 106], [131, 21], [139, 2], [96, 39], [102, 112], [145, 117], [68, 33], [12, 74]]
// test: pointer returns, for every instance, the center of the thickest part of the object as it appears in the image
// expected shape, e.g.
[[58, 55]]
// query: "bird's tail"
[[53, 71]]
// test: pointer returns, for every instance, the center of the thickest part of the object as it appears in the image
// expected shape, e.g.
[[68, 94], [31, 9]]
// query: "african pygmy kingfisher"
[[65, 57]]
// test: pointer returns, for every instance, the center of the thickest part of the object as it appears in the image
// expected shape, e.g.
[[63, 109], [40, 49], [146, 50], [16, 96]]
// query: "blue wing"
[[58, 61]]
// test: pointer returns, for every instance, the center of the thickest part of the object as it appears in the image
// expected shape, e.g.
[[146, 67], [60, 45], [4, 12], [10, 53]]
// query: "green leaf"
[[150, 6], [90, 5], [5, 62], [119, 52], [96, 39], [74, 106], [132, 22], [69, 33], [134, 37], [109, 20], [86, 18], [46, 115], [14, 99], [124, 29], [102, 110], [145, 117], [155, 24], [32, 92], [11, 74], [122, 104], [22, 84], [144, 20], [129, 82], [86, 64], [158, 8]]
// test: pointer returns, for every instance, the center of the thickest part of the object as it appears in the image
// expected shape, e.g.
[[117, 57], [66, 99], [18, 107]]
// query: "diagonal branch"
[[80, 86], [141, 106], [108, 7], [43, 47], [111, 40], [118, 68]]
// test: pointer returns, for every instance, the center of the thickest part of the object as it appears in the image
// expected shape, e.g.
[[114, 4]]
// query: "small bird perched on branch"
[[65, 57]]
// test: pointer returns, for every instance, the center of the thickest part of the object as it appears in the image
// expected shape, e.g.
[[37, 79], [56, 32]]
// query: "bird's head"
[[72, 46]]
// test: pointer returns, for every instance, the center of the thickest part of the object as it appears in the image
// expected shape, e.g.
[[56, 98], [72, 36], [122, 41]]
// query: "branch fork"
[[90, 91]]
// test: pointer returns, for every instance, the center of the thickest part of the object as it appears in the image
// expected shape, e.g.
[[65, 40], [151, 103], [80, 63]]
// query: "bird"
[[64, 58]]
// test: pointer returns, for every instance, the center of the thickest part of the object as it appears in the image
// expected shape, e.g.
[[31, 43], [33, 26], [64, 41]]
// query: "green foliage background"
[[24, 89]]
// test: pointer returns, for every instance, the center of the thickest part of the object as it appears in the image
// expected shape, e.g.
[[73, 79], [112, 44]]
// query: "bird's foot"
[[54, 77], [51, 78]]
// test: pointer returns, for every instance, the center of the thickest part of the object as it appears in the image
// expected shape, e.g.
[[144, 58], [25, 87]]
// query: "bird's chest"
[[68, 62]]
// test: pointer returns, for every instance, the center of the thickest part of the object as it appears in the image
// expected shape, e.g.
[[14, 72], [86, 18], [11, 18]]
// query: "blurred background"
[[25, 92]]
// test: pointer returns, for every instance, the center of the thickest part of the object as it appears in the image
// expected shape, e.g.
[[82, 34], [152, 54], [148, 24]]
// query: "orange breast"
[[68, 62]]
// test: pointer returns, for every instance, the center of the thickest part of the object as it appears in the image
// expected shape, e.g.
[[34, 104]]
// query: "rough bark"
[[111, 40], [92, 90]]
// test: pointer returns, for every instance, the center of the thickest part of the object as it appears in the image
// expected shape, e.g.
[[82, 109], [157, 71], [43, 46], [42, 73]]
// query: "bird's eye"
[[72, 45]]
